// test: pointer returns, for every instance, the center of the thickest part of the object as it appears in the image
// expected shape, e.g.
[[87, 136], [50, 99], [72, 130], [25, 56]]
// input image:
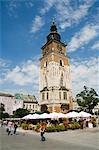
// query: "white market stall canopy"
[[34, 116], [84, 114], [27, 116], [72, 114], [61, 115], [44, 116], [55, 115]]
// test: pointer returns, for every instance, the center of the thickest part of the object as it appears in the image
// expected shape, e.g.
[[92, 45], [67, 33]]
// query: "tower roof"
[[53, 35]]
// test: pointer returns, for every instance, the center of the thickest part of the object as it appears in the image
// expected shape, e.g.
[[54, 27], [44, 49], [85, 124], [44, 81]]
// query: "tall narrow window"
[[43, 96], [47, 95], [64, 95], [46, 63], [60, 62], [45, 81], [61, 80], [59, 95]]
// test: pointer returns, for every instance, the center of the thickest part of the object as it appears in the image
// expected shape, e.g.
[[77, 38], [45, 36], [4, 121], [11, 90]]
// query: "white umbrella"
[[44, 116], [72, 114], [27, 116], [84, 114]]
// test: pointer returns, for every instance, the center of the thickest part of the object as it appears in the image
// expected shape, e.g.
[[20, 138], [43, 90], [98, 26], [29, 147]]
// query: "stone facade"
[[55, 74]]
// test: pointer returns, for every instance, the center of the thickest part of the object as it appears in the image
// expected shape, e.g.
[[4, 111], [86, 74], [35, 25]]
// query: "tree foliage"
[[2, 108], [19, 113], [87, 99], [2, 113], [5, 115], [44, 108]]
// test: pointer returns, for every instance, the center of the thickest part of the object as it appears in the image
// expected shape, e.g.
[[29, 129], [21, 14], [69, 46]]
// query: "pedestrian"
[[15, 128], [42, 132], [10, 127]]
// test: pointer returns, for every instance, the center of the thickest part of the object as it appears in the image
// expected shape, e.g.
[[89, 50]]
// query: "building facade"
[[55, 76], [29, 102], [10, 103]]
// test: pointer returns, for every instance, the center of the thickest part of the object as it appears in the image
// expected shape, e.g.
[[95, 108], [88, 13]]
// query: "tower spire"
[[53, 20], [53, 26]]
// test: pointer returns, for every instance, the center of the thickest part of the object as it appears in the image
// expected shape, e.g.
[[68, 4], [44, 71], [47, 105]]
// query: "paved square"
[[68, 140]]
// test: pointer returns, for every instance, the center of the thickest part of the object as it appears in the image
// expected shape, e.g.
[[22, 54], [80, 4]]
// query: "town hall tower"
[[55, 78]]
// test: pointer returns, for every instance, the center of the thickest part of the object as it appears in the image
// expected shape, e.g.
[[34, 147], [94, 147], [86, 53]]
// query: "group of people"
[[11, 128]]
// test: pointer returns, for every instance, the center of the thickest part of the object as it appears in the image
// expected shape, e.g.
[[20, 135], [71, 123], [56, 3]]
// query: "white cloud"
[[23, 75], [37, 24], [81, 38], [21, 78], [85, 73], [46, 6], [96, 45], [4, 63], [29, 3], [14, 5], [68, 14]]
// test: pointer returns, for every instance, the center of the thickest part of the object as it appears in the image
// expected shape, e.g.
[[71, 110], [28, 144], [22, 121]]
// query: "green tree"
[[5, 115], [44, 108], [19, 113], [87, 99], [2, 107]]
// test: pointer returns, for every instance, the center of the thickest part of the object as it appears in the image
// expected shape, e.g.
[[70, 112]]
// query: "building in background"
[[10, 103], [55, 74], [29, 102]]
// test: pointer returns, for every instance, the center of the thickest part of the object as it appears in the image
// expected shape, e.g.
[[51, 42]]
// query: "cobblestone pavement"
[[68, 140]]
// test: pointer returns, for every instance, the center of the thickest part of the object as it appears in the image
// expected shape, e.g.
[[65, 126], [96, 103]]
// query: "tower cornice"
[[63, 44]]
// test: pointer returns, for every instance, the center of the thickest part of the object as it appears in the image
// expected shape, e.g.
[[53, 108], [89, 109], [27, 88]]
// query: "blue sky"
[[24, 27]]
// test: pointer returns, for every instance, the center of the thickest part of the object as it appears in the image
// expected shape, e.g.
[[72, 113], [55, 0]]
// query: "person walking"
[[15, 127], [42, 132], [9, 127]]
